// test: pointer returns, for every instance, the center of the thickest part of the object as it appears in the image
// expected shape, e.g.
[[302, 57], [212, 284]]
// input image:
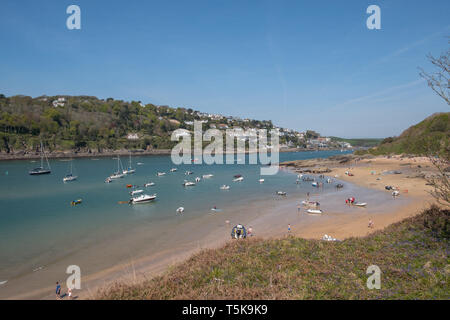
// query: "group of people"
[[60, 296]]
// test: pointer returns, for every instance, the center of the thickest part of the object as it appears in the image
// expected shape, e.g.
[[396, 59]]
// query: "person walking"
[[58, 290]]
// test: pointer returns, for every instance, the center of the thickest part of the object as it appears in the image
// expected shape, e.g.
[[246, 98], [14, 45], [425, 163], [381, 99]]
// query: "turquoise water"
[[38, 226]]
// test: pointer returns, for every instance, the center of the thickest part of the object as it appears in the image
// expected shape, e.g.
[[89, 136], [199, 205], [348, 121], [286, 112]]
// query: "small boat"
[[310, 203], [224, 187], [314, 211], [180, 210], [41, 170], [197, 179], [76, 202], [173, 169], [129, 170], [149, 184], [136, 192], [139, 163], [261, 180], [159, 174], [119, 173], [315, 184], [129, 186], [360, 204], [281, 193], [239, 179], [188, 183], [188, 173], [143, 198], [206, 176], [70, 177]]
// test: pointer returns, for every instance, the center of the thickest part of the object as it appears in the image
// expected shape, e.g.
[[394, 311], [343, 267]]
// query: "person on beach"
[[370, 224], [289, 228], [69, 292], [250, 231], [58, 290], [298, 208]]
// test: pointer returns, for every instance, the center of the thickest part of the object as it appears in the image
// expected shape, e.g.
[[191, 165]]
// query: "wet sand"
[[269, 219]]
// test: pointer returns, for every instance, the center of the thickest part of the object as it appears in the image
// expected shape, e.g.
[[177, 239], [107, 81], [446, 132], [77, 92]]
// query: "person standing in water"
[[289, 228], [298, 208]]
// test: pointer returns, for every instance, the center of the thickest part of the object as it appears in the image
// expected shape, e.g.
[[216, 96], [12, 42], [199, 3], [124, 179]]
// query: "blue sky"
[[302, 64]]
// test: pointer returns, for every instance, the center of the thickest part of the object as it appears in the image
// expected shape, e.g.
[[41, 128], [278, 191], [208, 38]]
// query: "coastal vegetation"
[[412, 256], [430, 136]]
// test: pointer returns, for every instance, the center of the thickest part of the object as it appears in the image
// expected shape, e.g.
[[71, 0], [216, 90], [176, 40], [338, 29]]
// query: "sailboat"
[[119, 173], [70, 177], [41, 169], [129, 170]]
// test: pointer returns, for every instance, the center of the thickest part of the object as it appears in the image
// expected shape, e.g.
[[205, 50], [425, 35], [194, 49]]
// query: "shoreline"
[[28, 155], [337, 223]]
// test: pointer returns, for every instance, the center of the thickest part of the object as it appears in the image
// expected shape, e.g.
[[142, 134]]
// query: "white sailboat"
[[129, 170], [119, 173], [70, 177], [41, 170]]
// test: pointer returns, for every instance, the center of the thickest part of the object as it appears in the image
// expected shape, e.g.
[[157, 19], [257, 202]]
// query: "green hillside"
[[429, 136], [359, 142], [84, 123], [412, 256]]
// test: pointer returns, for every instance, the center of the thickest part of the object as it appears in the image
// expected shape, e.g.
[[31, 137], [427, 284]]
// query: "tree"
[[439, 81]]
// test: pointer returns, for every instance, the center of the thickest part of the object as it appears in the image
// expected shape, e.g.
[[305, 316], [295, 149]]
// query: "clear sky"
[[303, 64]]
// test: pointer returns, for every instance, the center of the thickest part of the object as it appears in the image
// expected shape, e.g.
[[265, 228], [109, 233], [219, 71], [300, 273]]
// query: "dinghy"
[[188, 183], [173, 169], [314, 211], [261, 180], [360, 204], [180, 210], [224, 187], [315, 184]]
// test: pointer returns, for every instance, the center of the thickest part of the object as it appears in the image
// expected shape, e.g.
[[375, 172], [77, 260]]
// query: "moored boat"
[[143, 198]]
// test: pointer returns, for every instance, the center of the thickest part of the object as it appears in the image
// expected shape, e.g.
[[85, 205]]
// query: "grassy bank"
[[411, 254]]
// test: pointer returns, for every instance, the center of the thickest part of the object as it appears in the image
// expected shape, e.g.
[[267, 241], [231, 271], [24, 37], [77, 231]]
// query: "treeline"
[[88, 123]]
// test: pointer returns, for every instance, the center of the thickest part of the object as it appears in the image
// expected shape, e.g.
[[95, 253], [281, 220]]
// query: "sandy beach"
[[269, 219]]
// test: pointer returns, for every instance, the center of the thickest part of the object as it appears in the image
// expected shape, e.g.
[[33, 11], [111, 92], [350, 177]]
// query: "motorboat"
[[143, 198], [159, 174], [76, 202], [136, 192], [224, 187], [261, 180], [206, 176], [239, 179], [173, 169], [188, 183], [315, 184], [188, 173], [281, 193], [149, 184]]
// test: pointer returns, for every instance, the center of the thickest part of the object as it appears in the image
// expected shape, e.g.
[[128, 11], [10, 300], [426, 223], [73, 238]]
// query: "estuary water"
[[39, 228]]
